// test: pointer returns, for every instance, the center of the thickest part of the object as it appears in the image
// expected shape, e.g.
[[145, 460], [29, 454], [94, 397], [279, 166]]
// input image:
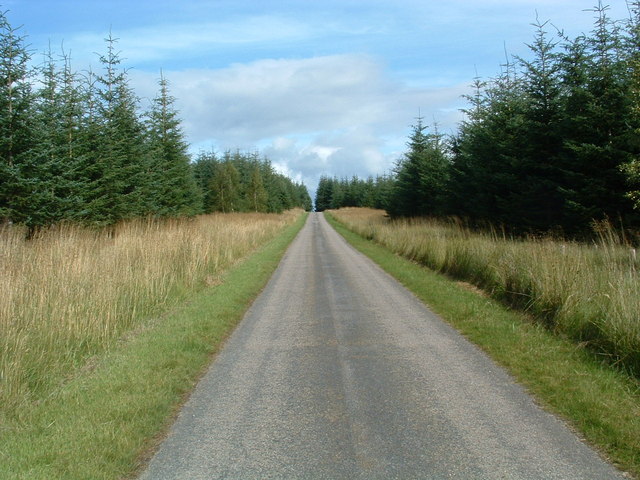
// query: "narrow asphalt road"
[[337, 372]]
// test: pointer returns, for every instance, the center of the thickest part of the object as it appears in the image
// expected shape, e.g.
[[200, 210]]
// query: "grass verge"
[[600, 403], [105, 421]]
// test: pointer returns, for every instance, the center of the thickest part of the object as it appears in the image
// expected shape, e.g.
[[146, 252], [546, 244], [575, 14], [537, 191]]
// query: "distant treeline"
[[245, 182], [552, 143], [76, 147], [354, 192]]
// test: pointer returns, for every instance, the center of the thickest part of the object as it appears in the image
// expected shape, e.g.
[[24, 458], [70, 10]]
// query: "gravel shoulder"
[[337, 372]]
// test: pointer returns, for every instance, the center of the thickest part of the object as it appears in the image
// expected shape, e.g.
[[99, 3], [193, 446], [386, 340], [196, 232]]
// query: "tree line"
[[77, 146], [336, 192], [241, 182], [551, 143]]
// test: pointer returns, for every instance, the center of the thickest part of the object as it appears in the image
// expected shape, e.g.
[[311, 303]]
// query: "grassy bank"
[[601, 403], [587, 292], [95, 420]]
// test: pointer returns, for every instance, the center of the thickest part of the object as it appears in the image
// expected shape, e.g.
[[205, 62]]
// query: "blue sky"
[[320, 87]]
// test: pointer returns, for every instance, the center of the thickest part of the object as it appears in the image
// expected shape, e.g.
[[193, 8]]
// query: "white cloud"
[[339, 115]]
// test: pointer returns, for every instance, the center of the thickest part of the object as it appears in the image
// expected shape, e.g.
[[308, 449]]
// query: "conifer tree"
[[120, 173], [324, 194], [421, 176], [632, 167], [538, 196], [256, 193], [225, 185], [45, 204], [170, 183], [18, 174]]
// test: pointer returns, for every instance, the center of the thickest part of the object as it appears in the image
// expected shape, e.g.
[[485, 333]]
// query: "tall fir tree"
[[421, 176], [631, 168], [18, 173], [538, 195], [256, 193], [170, 184], [46, 202], [225, 185], [120, 171]]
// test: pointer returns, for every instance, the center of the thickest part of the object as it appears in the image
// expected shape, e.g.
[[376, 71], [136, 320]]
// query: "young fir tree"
[[74, 182], [421, 176], [538, 196], [46, 205], [324, 194], [596, 118], [87, 143], [120, 173], [256, 193], [632, 167], [486, 171], [170, 180], [18, 173], [225, 185]]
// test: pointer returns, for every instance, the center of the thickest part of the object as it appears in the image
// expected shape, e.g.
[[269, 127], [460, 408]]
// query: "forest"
[[551, 144], [78, 147]]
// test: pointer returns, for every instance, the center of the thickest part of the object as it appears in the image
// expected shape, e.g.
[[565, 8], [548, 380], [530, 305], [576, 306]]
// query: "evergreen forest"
[[78, 147], [551, 144]]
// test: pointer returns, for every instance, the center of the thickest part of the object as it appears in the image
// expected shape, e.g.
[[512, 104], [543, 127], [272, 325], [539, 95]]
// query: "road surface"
[[338, 372]]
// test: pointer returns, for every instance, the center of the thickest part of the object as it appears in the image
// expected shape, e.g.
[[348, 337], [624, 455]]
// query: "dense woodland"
[[77, 146], [550, 144], [244, 182]]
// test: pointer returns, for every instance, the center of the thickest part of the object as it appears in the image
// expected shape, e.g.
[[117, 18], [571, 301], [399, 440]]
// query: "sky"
[[320, 87]]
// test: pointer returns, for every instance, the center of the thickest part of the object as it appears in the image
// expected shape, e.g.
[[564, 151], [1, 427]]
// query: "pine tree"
[[539, 193], [324, 194], [225, 185], [204, 169], [632, 167], [120, 174], [421, 176], [171, 186], [45, 203], [18, 174], [256, 193]]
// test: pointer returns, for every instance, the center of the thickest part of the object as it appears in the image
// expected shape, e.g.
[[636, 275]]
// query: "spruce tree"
[[632, 167], [596, 121], [46, 202], [539, 194], [421, 176], [256, 193], [324, 194], [170, 185], [225, 185], [18, 173], [121, 173]]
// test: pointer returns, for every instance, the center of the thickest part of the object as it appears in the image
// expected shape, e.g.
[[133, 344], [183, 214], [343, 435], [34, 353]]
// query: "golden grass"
[[588, 292], [70, 292]]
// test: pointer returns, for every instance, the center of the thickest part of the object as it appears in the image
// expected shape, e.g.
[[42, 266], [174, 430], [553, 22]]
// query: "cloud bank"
[[341, 115]]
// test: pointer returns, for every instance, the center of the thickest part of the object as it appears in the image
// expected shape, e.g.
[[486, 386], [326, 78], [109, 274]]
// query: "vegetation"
[[336, 193], [69, 293], [601, 403], [551, 144], [585, 292], [101, 419], [246, 183], [77, 147]]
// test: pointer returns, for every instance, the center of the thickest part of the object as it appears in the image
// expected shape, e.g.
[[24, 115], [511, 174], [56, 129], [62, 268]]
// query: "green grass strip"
[[601, 404], [104, 423]]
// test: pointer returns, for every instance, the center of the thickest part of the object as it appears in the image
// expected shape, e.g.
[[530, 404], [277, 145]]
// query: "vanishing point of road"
[[338, 372]]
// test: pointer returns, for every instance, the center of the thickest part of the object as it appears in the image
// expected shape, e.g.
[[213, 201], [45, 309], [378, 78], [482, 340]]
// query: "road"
[[338, 372]]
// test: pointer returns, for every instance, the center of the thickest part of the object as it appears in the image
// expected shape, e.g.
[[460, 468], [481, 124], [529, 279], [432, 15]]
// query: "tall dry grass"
[[588, 292], [70, 292]]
